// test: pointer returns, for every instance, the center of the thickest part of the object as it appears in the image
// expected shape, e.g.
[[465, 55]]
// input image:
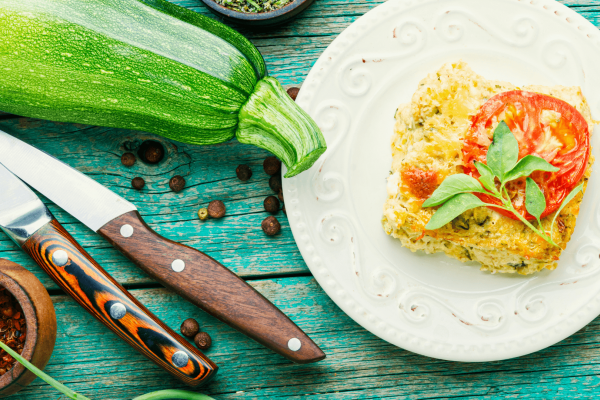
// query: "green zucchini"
[[147, 65]]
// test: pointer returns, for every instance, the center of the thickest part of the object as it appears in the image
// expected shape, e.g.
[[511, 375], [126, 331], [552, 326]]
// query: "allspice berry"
[[271, 204], [272, 165], [203, 214], [216, 209], [190, 328], [271, 226], [128, 159], [275, 183], [243, 172], [151, 151], [280, 196], [283, 209], [138, 183], [293, 92], [203, 341], [177, 183]]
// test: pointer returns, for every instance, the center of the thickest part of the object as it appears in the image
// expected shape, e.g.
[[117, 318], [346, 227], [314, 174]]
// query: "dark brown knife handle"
[[96, 291], [210, 286]]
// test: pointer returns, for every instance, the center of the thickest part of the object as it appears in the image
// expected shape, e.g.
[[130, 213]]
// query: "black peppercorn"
[[203, 341], [177, 183], [243, 172], [280, 196], [190, 328], [138, 183], [216, 209], [293, 92], [275, 183], [272, 165], [271, 204], [271, 226], [128, 159]]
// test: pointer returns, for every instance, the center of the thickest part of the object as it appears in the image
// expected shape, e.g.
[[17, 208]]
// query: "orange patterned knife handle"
[[74, 270]]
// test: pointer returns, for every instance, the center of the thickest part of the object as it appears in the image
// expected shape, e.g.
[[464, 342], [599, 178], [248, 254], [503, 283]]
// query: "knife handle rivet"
[[180, 359], [127, 230], [118, 311], [294, 344], [60, 258], [178, 265]]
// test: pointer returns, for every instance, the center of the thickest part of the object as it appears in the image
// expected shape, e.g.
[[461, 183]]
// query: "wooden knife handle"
[[210, 286], [76, 272]]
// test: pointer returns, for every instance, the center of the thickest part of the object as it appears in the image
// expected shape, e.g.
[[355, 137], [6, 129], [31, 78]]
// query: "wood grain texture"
[[96, 291], [359, 366], [212, 287]]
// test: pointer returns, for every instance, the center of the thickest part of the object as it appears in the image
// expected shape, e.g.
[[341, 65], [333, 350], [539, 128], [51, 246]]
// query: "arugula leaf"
[[566, 201], [452, 209], [527, 165], [535, 202], [503, 153], [487, 176], [451, 186]]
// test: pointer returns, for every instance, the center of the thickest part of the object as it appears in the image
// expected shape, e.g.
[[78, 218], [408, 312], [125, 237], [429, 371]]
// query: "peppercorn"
[[203, 214], [275, 183], [216, 209], [151, 151], [128, 159], [271, 204], [271, 226], [243, 172], [272, 165], [138, 183], [203, 341], [293, 92], [190, 328], [280, 196], [177, 183]]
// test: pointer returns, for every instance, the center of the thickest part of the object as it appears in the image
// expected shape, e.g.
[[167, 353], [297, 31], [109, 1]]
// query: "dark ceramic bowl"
[[259, 19], [39, 318]]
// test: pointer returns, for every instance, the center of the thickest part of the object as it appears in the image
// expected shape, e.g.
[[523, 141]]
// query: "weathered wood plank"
[[359, 365]]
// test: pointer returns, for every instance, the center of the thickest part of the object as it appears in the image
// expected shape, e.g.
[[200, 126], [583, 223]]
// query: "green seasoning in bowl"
[[253, 6]]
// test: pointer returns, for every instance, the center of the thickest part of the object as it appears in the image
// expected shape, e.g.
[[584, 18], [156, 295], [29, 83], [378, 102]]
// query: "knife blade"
[[29, 223], [188, 272]]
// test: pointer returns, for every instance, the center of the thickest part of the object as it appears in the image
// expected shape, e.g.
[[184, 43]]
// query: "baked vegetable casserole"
[[522, 211]]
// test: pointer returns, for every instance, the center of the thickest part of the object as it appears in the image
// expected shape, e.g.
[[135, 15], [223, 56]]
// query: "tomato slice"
[[544, 126]]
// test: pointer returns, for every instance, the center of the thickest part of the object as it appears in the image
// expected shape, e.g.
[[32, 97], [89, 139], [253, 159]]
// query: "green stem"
[[55, 384], [173, 394], [273, 121]]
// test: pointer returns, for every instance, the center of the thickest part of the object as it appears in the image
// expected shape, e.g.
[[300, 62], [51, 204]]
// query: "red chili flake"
[[17, 325], [13, 330], [17, 315]]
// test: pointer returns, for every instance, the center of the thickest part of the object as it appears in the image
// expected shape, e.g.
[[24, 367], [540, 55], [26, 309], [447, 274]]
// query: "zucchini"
[[147, 65]]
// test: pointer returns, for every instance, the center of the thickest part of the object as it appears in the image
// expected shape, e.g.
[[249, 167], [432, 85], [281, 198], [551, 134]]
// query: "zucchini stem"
[[271, 120]]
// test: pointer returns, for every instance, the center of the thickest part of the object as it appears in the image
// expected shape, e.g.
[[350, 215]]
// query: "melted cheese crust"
[[428, 136]]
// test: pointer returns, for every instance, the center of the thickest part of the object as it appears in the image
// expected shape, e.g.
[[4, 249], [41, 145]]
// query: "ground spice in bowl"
[[253, 6], [12, 328]]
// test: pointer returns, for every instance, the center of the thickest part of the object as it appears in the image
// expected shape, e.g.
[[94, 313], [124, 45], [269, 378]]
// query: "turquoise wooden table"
[[92, 361]]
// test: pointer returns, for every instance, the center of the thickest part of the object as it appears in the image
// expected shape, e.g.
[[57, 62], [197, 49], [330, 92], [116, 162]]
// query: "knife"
[[27, 221], [188, 272]]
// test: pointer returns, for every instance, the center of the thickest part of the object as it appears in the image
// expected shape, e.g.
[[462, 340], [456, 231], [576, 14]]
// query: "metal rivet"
[[118, 311], [180, 359], [127, 230], [178, 265], [60, 258], [294, 344]]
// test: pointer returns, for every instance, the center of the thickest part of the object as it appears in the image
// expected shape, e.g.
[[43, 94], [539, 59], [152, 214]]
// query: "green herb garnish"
[[159, 395], [456, 191], [253, 6]]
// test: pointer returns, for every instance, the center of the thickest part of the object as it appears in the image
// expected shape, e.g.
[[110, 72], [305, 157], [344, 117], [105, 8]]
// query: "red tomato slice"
[[544, 126]]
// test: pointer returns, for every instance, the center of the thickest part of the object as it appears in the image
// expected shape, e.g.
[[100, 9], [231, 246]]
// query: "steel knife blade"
[[190, 273], [29, 223]]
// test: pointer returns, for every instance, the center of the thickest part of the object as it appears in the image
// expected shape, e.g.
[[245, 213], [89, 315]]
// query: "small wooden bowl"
[[40, 319], [265, 19]]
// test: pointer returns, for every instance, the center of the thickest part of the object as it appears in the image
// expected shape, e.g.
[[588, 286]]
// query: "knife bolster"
[[25, 221]]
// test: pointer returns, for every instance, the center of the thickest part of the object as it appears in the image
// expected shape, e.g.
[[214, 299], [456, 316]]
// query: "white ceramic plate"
[[432, 304]]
